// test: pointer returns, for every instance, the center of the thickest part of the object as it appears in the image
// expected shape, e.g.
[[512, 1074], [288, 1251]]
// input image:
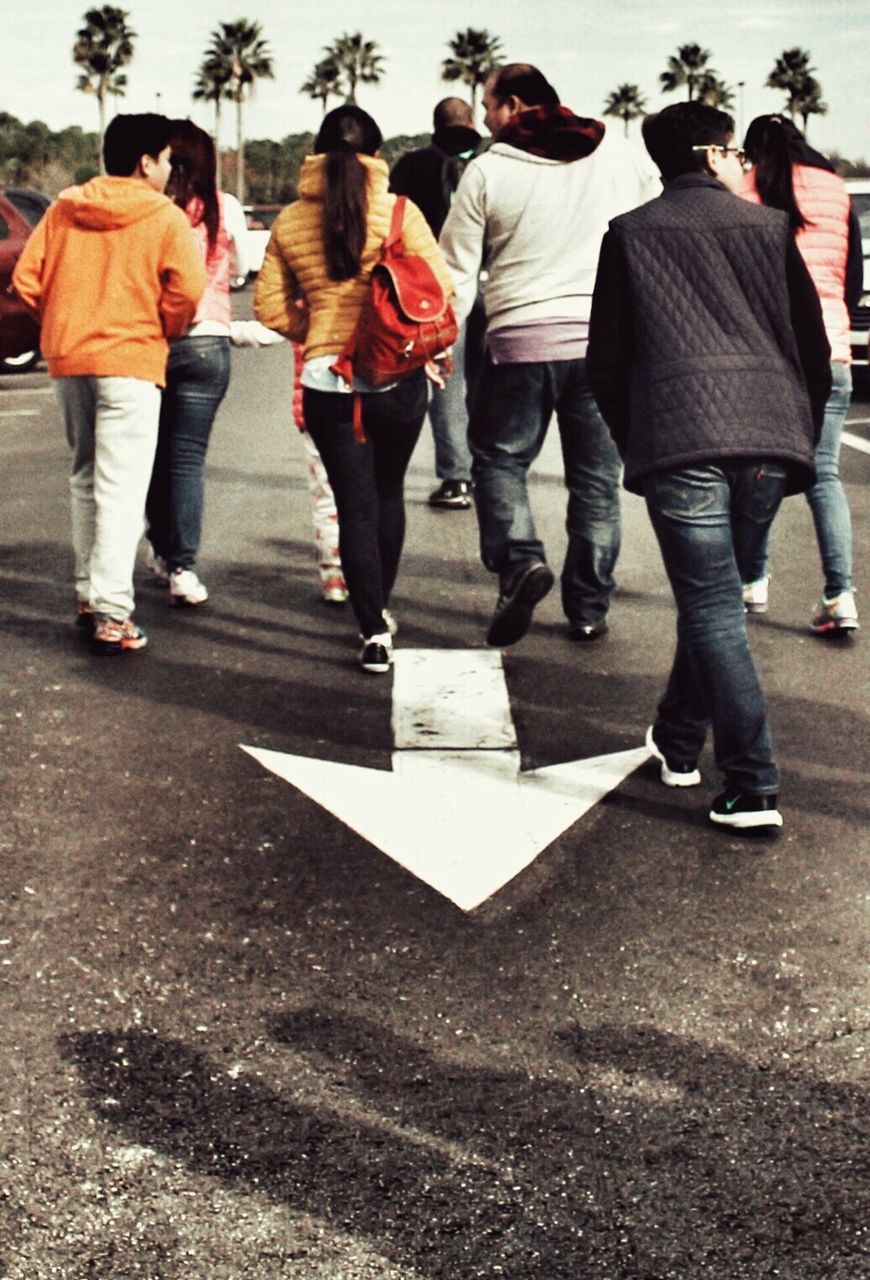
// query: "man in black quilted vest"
[[709, 362]]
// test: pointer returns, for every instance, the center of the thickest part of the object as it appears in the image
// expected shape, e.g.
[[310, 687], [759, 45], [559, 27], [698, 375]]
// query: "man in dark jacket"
[[709, 362], [429, 177]]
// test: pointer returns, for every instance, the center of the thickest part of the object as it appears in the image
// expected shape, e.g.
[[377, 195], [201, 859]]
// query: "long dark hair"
[[194, 175], [345, 132], [772, 144]]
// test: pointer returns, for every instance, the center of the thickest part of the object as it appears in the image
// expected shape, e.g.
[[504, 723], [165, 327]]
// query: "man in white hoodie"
[[533, 210]]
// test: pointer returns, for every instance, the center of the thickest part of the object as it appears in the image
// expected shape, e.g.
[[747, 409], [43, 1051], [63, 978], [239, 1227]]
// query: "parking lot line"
[[19, 413], [857, 442]]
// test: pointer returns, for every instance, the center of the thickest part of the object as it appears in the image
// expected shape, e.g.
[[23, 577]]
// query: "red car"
[[19, 332]]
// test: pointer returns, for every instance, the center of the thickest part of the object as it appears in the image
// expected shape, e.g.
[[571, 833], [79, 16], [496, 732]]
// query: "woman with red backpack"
[[312, 288]]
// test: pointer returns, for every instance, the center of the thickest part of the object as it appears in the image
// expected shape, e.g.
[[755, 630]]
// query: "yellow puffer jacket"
[[295, 262]]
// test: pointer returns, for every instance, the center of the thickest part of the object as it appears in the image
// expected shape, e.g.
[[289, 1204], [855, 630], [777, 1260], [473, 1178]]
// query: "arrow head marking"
[[465, 822]]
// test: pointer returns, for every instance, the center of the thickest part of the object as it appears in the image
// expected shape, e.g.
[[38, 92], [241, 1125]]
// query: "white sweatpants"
[[111, 427]]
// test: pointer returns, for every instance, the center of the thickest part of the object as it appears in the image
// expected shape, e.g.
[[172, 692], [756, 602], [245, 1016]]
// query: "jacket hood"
[[106, 203], [312, 179], [553, 133], [456, 139]]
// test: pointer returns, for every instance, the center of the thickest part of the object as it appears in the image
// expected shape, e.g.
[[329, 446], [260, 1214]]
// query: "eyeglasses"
[[714, 146]]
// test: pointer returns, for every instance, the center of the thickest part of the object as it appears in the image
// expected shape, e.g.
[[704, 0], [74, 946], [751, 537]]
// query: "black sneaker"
[[515, 606], [376, 655], [743, 811], [452, 495]]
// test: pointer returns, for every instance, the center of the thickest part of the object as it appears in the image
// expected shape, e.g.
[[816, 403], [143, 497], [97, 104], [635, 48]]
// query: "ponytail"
[[344, 214], [346, 132], [771, 145]]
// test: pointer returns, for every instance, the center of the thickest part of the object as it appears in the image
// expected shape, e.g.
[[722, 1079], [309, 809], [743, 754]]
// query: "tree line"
[[238, 55], [690, 67]]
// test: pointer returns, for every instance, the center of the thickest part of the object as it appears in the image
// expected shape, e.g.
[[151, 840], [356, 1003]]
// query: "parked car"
[[19, 332], [859, 190], [29, 203], [259, 218]]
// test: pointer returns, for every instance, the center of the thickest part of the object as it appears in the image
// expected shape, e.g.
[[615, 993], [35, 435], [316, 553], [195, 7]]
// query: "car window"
[[4, 228]]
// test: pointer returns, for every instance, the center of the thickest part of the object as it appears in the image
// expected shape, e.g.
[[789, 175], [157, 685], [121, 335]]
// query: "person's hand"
[[439, 370]]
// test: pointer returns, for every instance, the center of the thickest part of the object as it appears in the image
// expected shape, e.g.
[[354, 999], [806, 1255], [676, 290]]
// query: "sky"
[[585, 48]]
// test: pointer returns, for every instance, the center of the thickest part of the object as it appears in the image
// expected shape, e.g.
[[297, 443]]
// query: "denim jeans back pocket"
[[758, 490], [690, 493]]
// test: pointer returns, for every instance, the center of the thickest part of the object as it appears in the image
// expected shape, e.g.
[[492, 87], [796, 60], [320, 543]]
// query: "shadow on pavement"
[[651, 1157]]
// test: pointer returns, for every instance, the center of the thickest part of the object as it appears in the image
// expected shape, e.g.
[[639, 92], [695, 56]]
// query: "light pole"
[[741, 84]]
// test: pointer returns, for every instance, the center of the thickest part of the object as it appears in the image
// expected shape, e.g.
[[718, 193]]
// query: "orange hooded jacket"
[[113, 271]]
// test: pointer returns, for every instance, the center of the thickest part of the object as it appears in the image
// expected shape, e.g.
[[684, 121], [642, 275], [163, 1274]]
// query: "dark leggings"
[[368, 482]]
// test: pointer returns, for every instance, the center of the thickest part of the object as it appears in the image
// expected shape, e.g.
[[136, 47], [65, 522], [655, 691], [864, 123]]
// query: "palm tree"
[[687, 67], [357, 60], [808, 101], [102, 47], [474, 55], [792, 72], [239, 55], [714, 92], [324, 81], [212, 81], [627, 102]]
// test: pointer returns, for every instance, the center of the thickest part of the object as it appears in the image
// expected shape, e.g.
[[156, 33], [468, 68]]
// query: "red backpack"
[[405, 320]]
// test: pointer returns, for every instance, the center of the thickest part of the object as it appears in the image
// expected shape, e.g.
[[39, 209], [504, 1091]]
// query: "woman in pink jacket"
[[198, 371], [787, 174]]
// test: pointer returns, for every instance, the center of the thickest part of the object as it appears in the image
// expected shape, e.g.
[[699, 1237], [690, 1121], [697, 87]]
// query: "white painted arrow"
[[455, 810]]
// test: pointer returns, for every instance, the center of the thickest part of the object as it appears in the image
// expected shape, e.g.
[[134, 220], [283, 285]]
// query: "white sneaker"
[[376, 654], [684, 777], [185, 588], [334, 591], [755, 595], [836, 617]]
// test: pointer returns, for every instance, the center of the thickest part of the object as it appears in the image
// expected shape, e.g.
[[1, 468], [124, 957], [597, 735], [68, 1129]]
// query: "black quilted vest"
[[715, 371]]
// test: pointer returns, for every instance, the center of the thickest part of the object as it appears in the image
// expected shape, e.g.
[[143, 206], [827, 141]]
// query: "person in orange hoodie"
[[112, 271]]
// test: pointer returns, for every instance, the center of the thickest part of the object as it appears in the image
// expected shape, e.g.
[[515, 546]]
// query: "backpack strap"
[[344, 364], [394, 235]]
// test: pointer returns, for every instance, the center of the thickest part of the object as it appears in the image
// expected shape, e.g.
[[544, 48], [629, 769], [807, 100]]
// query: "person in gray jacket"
[[534, 208], [709, 361]]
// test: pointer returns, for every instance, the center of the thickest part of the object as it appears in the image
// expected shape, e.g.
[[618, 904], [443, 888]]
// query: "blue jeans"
[[710, 521], [368, 483], [197, 377], [827, 497], [512, 410], [449, 418]]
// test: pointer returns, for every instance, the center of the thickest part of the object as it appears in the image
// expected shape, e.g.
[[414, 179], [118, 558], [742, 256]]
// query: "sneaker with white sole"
[[756, 595], [112, 637], [745, 812], [334, 591], [185, 588], [836, 617], [376, 655], [671, 775]]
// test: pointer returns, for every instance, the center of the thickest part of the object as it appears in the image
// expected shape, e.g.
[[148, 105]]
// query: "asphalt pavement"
[[241, 1042]]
